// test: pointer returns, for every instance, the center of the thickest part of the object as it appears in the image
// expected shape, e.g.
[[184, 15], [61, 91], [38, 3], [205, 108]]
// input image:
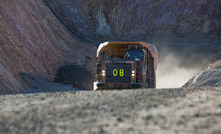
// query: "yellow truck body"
[[126, 65]]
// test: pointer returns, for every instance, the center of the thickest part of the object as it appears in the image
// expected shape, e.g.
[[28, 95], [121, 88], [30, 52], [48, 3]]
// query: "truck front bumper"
[[102, 86]]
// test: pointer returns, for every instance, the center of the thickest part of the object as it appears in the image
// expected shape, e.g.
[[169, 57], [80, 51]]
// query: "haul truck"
[[122, 65]]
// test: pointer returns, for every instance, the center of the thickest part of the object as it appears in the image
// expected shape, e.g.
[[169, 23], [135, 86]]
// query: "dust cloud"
[[171, 74]]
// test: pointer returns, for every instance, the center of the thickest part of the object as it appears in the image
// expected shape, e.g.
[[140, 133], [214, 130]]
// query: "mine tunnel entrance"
[[179, 62]]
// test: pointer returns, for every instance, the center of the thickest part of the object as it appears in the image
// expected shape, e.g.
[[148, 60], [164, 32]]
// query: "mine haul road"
[[140, 111]]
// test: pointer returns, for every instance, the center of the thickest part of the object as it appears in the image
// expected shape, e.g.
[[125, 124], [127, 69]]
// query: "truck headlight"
[[103, 73], [133, 74]]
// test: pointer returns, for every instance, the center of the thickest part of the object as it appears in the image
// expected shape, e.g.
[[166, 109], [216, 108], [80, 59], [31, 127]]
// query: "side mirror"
[[125, 55]]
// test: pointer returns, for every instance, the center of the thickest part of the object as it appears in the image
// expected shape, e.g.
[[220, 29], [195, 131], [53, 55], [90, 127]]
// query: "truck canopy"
[[118, 49]]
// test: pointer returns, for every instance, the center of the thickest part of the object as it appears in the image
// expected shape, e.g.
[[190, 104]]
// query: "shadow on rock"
[[36, 84]]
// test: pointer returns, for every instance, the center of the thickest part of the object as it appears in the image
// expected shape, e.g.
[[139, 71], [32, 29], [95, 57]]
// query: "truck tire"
[[153, 80], [149, 80]]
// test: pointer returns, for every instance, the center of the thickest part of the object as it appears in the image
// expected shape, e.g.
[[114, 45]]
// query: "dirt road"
[[140, 111]]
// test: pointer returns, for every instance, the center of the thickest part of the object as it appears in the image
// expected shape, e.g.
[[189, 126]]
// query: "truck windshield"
[[135, 55]]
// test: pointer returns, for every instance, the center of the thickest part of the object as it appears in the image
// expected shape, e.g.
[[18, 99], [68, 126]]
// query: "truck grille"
[[118, 73]]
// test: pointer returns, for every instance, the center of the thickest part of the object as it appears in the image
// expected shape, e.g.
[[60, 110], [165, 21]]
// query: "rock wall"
[[33, 41], [211, 77], [140, 19]]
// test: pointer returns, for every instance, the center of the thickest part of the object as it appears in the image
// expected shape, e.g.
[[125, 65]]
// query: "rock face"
[[208, 78], [139, 19], [34, 42]]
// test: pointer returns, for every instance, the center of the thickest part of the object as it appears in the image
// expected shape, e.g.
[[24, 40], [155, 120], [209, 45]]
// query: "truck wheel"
[[149, 80], [153, 81]]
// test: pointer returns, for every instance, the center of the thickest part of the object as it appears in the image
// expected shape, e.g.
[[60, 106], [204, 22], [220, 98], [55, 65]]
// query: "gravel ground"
[[139, 111]]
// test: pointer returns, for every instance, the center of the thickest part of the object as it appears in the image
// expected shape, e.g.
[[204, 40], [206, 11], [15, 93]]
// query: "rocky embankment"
[[164, 20], [192, 111], [34, 43], [211, 77]]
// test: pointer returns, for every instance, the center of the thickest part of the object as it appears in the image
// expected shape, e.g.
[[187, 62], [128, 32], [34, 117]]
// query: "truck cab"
[[122, 65]]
